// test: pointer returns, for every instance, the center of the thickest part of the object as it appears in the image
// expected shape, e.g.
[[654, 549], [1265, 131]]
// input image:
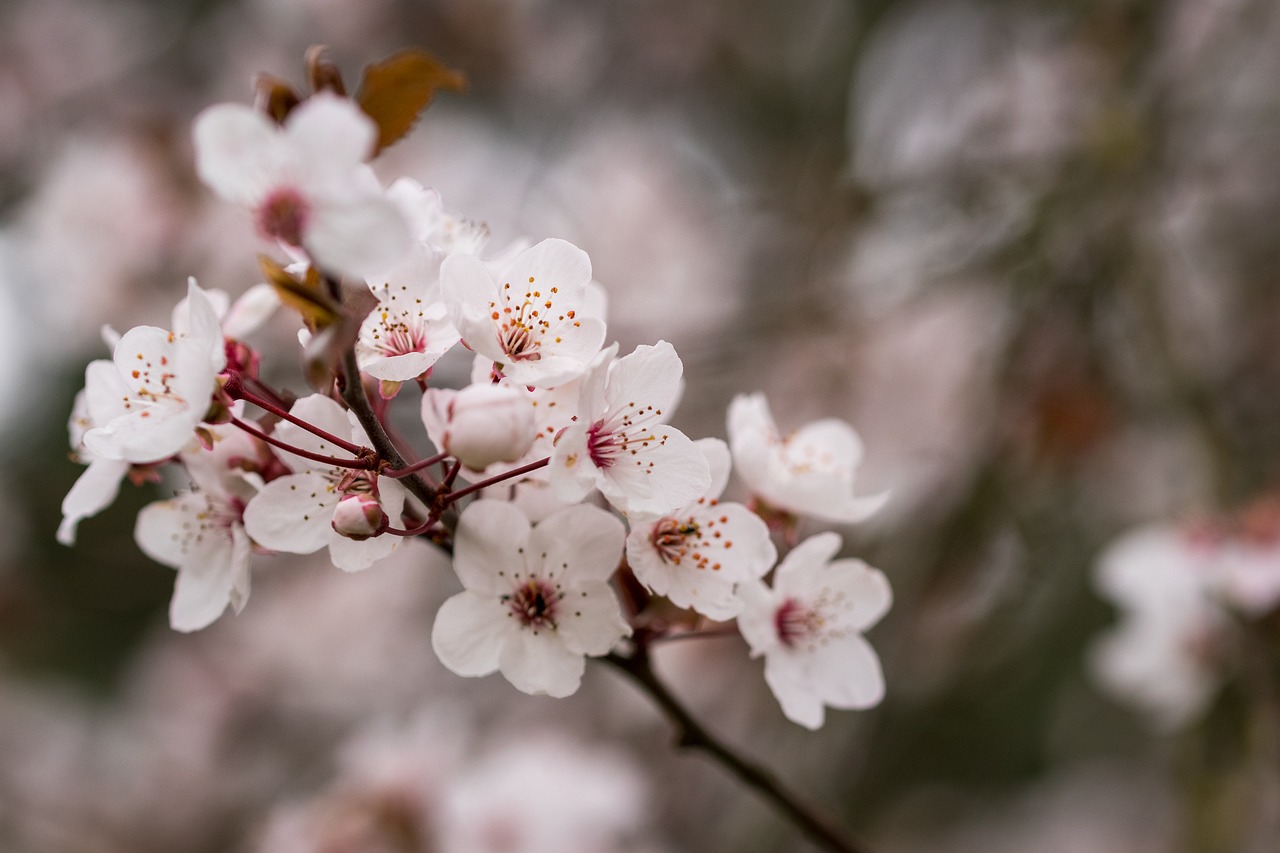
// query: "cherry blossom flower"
[[481, 424], [295, 513], [620, 443], [410, 328], [809, 629], [1166, 656], [807, 472], [697, 555], [98, 485], [537, 598], [164, 381], [305, 183], [534, 320], [201, 532]]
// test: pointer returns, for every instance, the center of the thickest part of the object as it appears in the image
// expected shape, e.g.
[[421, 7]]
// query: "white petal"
[[247, 314], [578, 544], [469, 633], [360, 236], [649, 376], [93, 491], [292, 514], [670, 473], [205, 582], [757, 622], [590, 620], [800, 702], [329, 135], [809, 556], [571, 471], [237, 152], [720, 463], [104, 392], [846, 673], [488, 546], [552, 263], [540, 664], [356, 556]]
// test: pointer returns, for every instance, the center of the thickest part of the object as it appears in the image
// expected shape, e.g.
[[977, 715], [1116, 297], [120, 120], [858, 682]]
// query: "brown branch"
[[691, 735], [353, 395]]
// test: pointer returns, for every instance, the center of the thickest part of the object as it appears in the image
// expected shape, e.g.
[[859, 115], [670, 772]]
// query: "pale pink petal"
[[470, 632], [551, 263], [205, 582], [800, 702], [489, 546], [669, 473], [649, 376], [846, 673], [580, 543], [238, 152], [757, 622], [361, 236], [351, 555], [808, 556], [571, 471], [330, 136], [720, 463], [247, 314], [590, 621], [539, 663], [94, 490], [292, 514]]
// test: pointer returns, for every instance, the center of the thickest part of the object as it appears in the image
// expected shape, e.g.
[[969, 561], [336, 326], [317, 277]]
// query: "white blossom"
[[806, 472], [533, 321], [536, 599], [1165, 656], [809, 629], [697, 555], [295, 513], [147, 409], [620, 442], [98, 485], [201, 532], [305, 183]]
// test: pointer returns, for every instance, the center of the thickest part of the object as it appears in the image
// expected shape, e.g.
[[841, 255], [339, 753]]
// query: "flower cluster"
[[1187, 596], [556, 479]]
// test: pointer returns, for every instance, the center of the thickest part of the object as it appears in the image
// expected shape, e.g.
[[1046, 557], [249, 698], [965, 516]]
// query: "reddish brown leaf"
[[394, 92], [275, 97], [308, 296]]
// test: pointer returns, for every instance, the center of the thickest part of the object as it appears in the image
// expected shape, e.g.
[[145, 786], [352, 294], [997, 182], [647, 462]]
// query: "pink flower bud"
[[481, 424], [359, 517]]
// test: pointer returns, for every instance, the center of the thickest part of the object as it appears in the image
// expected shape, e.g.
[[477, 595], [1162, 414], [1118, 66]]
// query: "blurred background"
[[1027, 249]]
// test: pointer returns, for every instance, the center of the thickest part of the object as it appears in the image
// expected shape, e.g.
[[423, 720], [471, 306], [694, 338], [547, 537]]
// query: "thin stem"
[[396, 474], [360, 464], [267, 405], [691, 735], [507, 475]]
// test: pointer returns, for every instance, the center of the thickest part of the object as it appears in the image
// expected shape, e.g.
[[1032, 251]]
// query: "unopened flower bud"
[[479, 425], [359, 517]]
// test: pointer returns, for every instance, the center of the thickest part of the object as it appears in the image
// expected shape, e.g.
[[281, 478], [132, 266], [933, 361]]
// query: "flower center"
[[669, 539], [796, 623], [534, 604], [283, 215], [400, 339]]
